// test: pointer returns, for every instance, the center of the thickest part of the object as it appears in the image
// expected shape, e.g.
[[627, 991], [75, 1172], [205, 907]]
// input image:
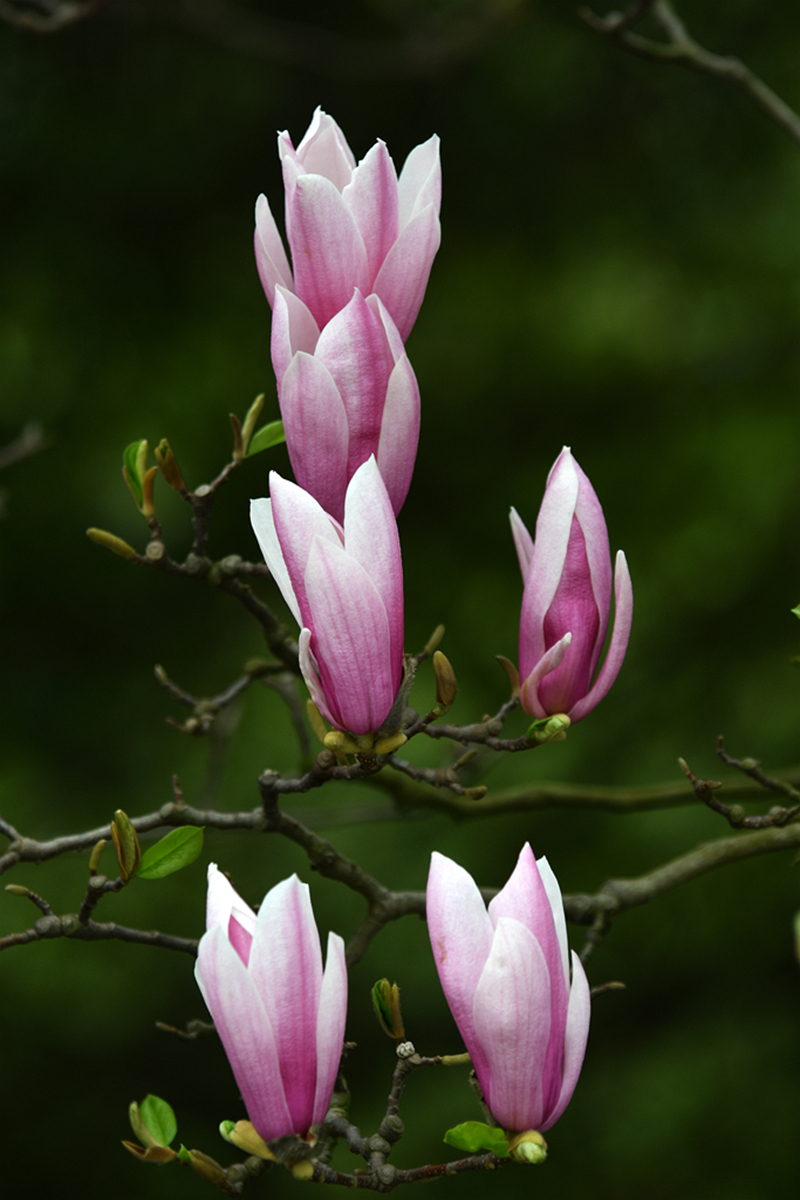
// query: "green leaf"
[[266, 437], [473, 1136], [796, 611], [159, 1119], [131, 460], [184, 1155], [177, 850]]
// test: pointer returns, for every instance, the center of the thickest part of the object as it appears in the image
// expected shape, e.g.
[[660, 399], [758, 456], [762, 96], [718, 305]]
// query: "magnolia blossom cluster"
[[362, 242]]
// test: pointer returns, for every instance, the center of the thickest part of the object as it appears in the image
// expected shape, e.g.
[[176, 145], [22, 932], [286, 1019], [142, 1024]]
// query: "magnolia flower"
[[345, 393], [280, 1017], [567, 599], [344, 585], [352, 226], [505, 974]]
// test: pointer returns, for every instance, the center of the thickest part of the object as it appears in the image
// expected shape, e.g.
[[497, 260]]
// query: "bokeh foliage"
[[619, 272]]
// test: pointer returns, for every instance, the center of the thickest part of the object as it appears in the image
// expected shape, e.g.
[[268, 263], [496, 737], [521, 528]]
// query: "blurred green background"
[[620, 272]]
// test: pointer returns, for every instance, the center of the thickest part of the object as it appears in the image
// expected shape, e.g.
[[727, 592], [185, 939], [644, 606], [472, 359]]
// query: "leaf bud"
[[168, 466], [386, 1000], [253, 413], [550, 729], [111, 542], [528, 1147], [208, 1168], [242, 1135], [446, 682], [94, 857], [126, 844]]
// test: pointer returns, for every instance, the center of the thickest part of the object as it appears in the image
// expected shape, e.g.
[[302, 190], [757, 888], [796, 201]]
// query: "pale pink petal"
[[351, 639], [324, 150], [293, 329], [310, 672], [589, 514], [330, 1024], [261, 519], [245, 1032], [397, 446], [575, 1039], [623, 602], [553, 528], [402, 279], [371, 196], [523, 542], [317, 432], [512, 1024], [222, 899], [271, 261], [370, 536], [420, 182], [461, 935], [328, 252], [299, 519], [354, 348], [556, 903], [286, 970], [572, 608]]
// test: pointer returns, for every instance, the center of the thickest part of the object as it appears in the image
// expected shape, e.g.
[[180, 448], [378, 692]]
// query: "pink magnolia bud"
[[345, 393], [344, 586], [505, 974], [567, 599], [352, 226], [280, 1017]]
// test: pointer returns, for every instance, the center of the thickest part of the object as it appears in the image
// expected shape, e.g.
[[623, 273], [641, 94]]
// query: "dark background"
[[620, 272]]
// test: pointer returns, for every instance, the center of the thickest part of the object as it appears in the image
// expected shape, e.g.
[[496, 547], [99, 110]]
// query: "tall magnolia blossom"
[[345, 393], [505, 974], [280, 1017], [352, 225], [567, 599], [344, 585]]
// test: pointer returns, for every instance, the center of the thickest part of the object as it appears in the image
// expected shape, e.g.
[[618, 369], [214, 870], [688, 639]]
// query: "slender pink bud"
[[352, 226], [280, 1017], [567, 599], [505, 974], [344, 585], [345, 393]]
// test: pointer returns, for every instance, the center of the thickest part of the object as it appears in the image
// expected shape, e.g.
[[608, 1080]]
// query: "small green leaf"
[[184, 1155], [177, 850], [796, 611], [132, 462], [266, 437], [473, 1136], [159, 1119]]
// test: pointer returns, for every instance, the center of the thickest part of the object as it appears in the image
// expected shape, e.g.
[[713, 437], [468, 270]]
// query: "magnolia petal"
[[299, 519], [589, 514], [371, 196], [245, 1031], [523, 542], [310, 672], [328, 252], [286, 969], [420, 182], [525, 899], [397, 445], [556, 902], [271, 261], [553, 527], [261, 518], [351, 639], [222, 899], [511, 1011], [529, 694], [355, 350], [293, 329], [317, 432], [623, 617], [370, 536], [461, 935], [402, 279], [575, 1039], [330, 1024], [324, 150]]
